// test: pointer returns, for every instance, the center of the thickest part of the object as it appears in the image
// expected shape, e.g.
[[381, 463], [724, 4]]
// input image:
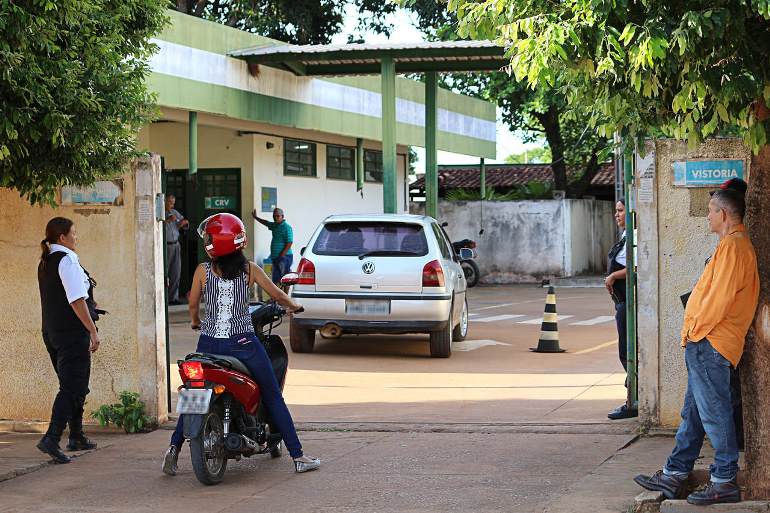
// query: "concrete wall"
[[525, 241], [121, 248], [305, 200], [674, 242]]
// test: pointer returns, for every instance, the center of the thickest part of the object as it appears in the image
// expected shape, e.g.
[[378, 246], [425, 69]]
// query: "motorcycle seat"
[[228, 361]]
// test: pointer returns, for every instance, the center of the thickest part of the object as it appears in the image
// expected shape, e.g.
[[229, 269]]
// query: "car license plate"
[[367, 306], [194, 401]]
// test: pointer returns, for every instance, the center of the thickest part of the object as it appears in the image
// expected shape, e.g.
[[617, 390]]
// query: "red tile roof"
[[505, 176]]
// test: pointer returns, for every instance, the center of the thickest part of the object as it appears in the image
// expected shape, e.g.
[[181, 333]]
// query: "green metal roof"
[[365, 59]]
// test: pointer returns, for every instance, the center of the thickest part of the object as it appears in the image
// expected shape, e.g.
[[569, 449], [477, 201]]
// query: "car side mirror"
[[302, 251], [290, 279], [444, 224], [466, 254]]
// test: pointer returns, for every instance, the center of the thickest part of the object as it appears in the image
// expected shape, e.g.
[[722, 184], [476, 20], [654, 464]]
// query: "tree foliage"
[[73, 91], [292, 21], [689, 69], [540, 112], [539, 155]]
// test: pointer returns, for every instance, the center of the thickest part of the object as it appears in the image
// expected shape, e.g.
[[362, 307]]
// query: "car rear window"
[[361, 238]]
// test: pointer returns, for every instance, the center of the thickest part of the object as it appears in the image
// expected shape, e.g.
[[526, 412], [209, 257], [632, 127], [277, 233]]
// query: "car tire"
[[461, 330], [441, 340], [301, 340]]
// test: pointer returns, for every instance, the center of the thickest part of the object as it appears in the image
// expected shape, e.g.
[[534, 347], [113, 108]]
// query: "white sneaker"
[[169, 461], [306, 464]]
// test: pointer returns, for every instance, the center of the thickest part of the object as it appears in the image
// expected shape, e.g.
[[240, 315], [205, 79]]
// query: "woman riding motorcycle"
[[227, 329]]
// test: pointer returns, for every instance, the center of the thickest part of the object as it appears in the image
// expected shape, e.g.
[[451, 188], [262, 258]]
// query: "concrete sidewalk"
[[371, 471], [363, 471]]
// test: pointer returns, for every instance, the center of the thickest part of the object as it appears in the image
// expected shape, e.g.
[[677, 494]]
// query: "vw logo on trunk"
[[368, 268]]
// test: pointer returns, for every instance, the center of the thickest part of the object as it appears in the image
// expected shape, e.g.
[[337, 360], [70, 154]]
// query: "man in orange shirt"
[[718, 315]]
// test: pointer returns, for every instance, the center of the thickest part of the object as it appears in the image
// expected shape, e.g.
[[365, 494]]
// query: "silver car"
[[380, 274]]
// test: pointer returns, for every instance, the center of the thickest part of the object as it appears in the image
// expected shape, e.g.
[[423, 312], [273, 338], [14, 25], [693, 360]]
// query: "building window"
[[340, 162], [373, 166], [298, 158]]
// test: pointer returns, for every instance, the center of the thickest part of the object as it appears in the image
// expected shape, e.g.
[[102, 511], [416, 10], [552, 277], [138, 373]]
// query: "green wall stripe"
[[217, 38], [191, 95]]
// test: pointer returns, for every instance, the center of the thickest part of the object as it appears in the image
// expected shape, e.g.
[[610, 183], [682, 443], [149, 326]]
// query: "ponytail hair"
[[55, 228], [231, 266]]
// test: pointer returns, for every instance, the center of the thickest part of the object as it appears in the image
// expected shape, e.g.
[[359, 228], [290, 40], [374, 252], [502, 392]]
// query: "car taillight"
[[192, 370], [306, 272], [433, 275]]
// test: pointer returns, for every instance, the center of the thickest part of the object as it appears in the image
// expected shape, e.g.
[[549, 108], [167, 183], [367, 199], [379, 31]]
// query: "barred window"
[[340, 162], [299, 158]]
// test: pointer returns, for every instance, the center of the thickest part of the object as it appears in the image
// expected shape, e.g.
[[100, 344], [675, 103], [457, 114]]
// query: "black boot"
[[80, 443], [716, 493], [672, 487], [49, 446]]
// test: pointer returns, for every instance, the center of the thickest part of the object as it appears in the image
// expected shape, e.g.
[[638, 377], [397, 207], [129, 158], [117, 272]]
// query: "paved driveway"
[[491, 378]]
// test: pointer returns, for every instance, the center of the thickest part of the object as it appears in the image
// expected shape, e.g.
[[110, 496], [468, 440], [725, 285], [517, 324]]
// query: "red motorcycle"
[[220, 405]]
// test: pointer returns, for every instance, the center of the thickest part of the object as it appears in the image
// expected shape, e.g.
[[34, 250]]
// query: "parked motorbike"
[[220, 404], [470, 268]]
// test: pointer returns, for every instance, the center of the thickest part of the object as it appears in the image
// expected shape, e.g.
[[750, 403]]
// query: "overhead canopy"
[[366, 59]]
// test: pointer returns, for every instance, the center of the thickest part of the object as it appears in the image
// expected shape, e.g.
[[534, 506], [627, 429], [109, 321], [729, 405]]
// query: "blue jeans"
[[281, 266], [248, 349], [707, 410]]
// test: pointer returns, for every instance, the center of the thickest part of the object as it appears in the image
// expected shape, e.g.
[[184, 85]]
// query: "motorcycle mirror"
[[466, 254], [481, 232], [290, 279]]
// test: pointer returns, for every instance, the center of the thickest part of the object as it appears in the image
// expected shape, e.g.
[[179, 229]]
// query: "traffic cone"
[[549, 329]]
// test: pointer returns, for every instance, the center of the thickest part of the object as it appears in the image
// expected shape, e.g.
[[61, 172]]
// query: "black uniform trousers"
[[620, 322], [71, 359]]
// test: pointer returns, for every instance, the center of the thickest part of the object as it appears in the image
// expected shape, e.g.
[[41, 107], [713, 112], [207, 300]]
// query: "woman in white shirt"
[[69, 334]]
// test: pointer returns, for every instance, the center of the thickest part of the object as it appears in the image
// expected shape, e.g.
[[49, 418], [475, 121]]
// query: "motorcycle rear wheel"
[[207, 450], [471, 271]]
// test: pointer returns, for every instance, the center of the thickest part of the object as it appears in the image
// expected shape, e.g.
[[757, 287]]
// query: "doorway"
[[209, 192]]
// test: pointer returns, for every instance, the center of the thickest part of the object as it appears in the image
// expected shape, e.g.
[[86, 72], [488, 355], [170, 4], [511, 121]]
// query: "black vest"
[[619, 287], [58, 315]]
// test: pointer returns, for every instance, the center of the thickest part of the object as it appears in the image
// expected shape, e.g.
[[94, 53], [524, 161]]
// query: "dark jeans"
[[248, 349], [707, 410], [71, 360], [620, 322], [281, 266]]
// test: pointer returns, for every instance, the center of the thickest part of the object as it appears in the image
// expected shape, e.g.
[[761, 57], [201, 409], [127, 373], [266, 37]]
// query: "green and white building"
[[236, 134]]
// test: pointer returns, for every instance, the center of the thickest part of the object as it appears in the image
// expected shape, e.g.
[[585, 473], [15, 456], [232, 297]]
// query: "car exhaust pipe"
[[331, 330]]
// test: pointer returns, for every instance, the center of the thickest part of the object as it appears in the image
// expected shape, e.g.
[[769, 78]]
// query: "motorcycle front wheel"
[[209, 459], [471, 271]]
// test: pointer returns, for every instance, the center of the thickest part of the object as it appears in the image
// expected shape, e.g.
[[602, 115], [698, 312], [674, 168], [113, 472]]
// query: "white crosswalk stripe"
[[498, 318], [596, 320], [538, 320]]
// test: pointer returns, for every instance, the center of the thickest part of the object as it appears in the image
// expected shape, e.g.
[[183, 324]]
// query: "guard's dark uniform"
[[619, 297], [67, 342]]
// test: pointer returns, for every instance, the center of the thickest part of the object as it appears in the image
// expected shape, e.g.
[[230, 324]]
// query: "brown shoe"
[[672, 487]]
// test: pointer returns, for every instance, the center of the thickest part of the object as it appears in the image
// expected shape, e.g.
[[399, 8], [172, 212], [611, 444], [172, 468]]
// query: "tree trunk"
[[579, 188], [550, 122], [755, 376]]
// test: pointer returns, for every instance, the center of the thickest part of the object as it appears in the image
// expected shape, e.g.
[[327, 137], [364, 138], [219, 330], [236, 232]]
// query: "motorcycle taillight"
[[192, 370]]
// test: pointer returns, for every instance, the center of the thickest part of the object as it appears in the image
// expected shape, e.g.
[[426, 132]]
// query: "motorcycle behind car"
[[470, 268], [220, 404]]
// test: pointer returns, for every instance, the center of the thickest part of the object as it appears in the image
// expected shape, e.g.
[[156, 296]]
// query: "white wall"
[[525, 241]]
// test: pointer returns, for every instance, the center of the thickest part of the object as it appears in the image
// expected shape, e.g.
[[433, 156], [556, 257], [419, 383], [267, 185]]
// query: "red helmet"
[[222, 234]]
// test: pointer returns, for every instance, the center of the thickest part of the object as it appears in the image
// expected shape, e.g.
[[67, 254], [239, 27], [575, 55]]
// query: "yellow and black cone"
[[549, 329]]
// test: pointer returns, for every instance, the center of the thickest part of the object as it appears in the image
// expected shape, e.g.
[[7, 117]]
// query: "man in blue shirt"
[[280, 245]]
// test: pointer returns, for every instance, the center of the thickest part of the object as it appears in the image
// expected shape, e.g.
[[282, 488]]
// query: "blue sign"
[[706, 173], [269, 199]]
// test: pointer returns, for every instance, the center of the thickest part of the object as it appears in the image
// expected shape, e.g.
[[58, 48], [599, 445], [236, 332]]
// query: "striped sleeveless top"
[[227, 306]]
